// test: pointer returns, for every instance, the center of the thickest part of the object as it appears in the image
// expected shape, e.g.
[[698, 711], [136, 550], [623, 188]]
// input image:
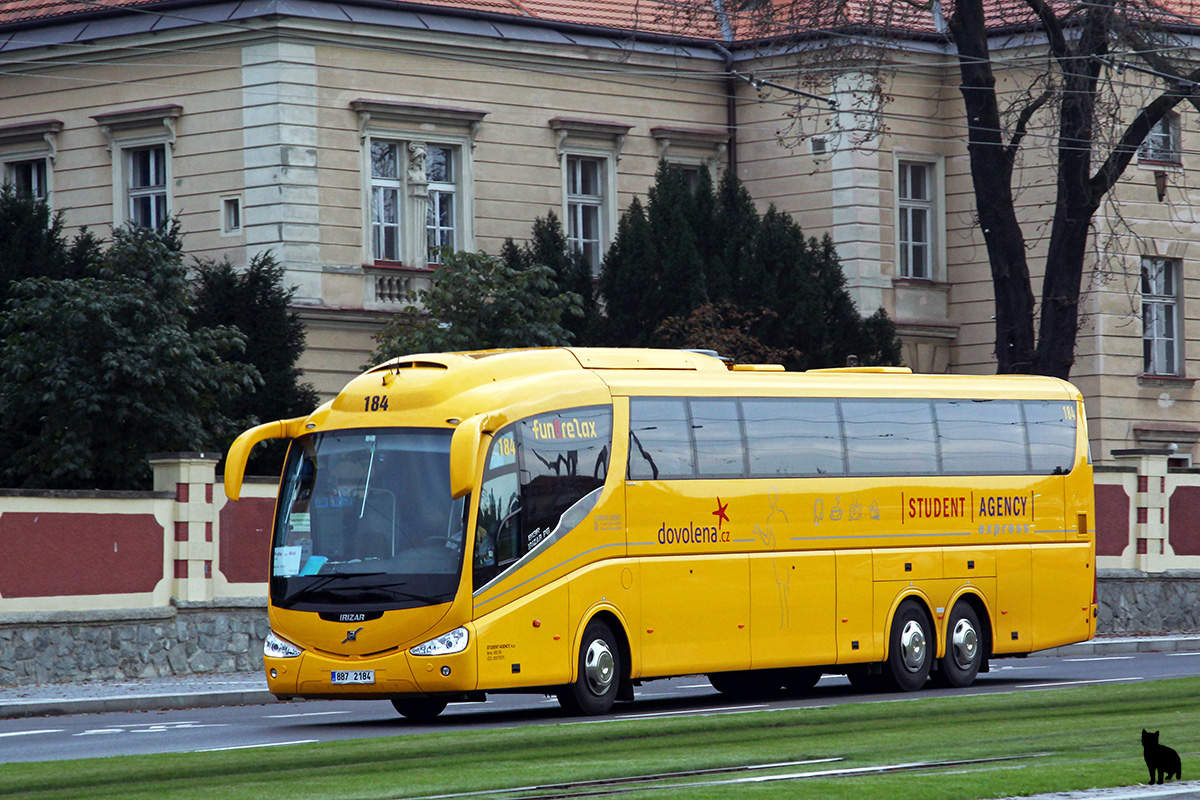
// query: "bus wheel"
[[964, 648], [595, 688], [910, 655], [419, 709]]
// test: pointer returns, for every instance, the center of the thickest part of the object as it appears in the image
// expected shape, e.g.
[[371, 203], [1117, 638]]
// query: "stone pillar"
[[190, 476], [1152, 551]]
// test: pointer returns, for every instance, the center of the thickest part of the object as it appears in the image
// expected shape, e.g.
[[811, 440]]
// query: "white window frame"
[[1162, 144], [135, 131], [230, 205], [413, 129], [581, 204], [442, 194], [601, 142], [933, 208], [158, 160], [30, 143], [1162, 341]]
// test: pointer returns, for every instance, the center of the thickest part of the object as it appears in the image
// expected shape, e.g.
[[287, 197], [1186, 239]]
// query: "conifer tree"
[[691, 247]]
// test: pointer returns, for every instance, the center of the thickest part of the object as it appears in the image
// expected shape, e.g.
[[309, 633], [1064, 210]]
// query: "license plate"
[[353, 676]]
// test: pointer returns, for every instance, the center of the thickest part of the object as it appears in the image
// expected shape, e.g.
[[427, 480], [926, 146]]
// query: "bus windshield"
[[366, 518]]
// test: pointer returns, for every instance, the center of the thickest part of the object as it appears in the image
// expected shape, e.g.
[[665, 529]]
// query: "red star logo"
[[720, 513]]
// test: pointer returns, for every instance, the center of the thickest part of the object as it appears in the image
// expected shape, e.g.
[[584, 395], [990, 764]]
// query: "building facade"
[[353, 138]]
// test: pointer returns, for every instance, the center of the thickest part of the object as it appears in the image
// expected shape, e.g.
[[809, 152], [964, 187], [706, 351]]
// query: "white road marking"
[[1055, 684], [32, 733], [650, 715], [306, 714], [1102, 658], [252, 746]]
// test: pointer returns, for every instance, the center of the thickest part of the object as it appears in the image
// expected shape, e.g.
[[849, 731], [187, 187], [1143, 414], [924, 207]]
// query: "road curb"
[[1118, 645], [148, 702]]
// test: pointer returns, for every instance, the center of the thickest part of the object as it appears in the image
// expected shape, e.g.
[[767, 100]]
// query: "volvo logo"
[[351, 636]]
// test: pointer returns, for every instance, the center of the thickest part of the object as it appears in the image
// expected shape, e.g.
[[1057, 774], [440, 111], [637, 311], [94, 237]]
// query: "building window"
[[385, 200], [403, 174], [231, 215], [147, 186], [589, 151], [141, 142], [29, 178], [418, 181], [1162, 143], [1160, 317], [440, 217], [585, 207], [915, 223]]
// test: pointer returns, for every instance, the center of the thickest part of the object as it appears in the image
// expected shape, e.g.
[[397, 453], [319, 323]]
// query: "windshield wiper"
[[391, 588], [321, 582]]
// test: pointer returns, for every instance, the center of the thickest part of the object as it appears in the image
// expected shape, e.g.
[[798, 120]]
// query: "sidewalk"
[[205, 691]]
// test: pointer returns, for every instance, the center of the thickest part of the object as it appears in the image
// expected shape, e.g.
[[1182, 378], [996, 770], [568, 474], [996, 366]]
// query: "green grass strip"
[[1075, 738]]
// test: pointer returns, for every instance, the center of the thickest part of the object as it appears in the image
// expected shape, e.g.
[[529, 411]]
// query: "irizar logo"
[[351, 636]]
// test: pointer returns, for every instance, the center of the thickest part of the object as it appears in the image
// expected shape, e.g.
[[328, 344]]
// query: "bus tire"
[[419, 709], [964, 648], [910, 649], [595, 688]]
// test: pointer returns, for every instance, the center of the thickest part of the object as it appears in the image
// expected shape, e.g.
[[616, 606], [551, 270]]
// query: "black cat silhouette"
[[1161, 760]]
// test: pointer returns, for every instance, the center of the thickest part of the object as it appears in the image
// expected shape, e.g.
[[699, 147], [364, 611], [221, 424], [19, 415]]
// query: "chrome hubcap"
[[912, 646], [966, 644], [598, 667]]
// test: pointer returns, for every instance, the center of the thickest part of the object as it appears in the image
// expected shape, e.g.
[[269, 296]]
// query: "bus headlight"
[[275, 647], [453, 642]]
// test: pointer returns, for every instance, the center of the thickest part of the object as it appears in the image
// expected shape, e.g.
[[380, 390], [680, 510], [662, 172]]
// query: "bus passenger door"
[[792, 603], [856, 629], [695, 614]]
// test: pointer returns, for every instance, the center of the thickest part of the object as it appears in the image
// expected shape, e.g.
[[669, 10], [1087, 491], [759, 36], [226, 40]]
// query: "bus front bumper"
[[325, 676]]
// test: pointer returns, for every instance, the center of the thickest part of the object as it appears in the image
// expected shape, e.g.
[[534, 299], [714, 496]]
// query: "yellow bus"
[[577, 521]]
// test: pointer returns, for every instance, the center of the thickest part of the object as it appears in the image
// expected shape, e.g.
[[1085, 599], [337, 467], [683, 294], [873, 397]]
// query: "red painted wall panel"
[[43, 555], [1184, 532], [246, 539], [1112, 520]]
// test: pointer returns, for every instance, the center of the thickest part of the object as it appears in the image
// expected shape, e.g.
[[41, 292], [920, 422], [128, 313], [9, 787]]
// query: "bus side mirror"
[[239, 451], [464, 455], [464, 450]]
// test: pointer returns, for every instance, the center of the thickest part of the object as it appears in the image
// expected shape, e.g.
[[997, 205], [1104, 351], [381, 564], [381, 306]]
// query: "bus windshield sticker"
[[287, 561]]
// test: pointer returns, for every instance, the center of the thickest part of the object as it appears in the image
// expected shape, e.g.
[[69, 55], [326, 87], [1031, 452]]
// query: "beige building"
[[347, 137]]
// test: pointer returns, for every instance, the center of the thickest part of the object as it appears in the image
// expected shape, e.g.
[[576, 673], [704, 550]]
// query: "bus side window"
[[793, 438], [717, 429], [660, 440], [1051, 426], [499, 509], [969, 429], [890, 437], [537, 469], [564, 456]]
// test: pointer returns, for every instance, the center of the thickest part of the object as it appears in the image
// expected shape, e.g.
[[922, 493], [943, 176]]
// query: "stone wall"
[[225, 637], [1135, 603], [183, 639]]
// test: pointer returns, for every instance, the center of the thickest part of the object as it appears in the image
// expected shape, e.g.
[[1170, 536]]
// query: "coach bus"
[[576, 521]]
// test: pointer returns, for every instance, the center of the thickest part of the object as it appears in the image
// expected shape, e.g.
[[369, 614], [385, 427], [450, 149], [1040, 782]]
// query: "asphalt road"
[[282, 724]]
